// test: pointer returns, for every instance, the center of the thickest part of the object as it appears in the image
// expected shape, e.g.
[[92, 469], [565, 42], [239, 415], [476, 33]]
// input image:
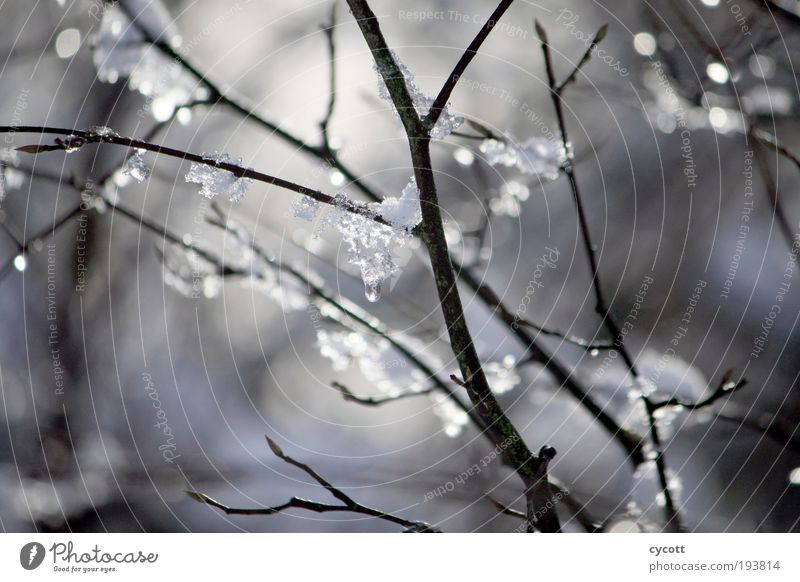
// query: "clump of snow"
[[305, 208], [373, 247], [216, 181], [136, 168], [447, 122]]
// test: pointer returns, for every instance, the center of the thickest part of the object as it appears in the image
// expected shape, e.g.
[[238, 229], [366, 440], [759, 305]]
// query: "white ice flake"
[[305, 208], [373, 247], [509, 198], [403, 212], [216, 181], [447, 122], [136, 168]]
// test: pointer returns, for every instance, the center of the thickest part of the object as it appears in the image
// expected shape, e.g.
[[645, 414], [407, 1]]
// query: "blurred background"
[[130, 372]]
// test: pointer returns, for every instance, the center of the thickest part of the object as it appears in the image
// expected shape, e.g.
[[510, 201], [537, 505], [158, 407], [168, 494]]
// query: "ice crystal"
[[216, 181], [374, 247], [264, 276], [120, 51], [537, 156], [447, 122], [101, 130], [305, 208], [136, 168]]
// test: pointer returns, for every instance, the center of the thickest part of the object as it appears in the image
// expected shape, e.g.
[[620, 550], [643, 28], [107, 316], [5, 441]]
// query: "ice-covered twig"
[[77, 138]]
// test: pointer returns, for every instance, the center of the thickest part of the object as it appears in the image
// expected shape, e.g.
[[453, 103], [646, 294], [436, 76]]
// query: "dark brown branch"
[[673, 519], [348, 503], [725, 388], [77, 138], [531, 469], [466, 58], [324, 125]]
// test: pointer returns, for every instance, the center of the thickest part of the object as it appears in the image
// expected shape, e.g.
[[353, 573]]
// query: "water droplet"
[[594, 352], [372, 291], [337, 178], [20, 263]]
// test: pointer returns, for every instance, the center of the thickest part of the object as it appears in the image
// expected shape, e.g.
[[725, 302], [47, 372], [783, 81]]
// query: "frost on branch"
[[216, 181], [374, 247], [136, 168], [120, 51], [447, 122], [538, 156]]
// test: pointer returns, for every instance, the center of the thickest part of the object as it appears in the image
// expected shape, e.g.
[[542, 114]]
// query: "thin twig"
[[348, 503], [378, 400], [77, 138], [466, 58], [672, 516], [725, 388]]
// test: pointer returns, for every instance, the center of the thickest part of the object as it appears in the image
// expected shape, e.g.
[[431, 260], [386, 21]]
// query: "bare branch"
[[673, 519], [348, 503], [378, 400], [466, 58], [725, 388]]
